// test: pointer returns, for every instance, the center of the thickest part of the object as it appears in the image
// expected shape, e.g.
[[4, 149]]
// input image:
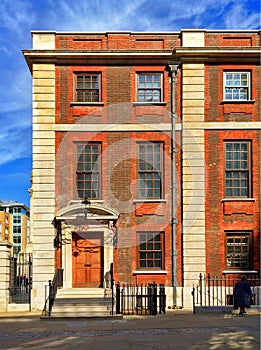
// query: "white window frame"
[[235, 87], [76, 88], [160, 89], [235, 172]]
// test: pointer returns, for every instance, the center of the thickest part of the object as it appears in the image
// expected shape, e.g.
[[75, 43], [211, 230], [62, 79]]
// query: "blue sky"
[[19, 17]]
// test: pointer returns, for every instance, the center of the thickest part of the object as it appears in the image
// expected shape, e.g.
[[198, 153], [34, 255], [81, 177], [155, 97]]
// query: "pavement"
[[177, 329]]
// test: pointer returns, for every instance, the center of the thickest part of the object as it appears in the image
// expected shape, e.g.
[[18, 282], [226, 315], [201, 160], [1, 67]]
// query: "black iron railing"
[[112, 288], [140, 300], [52, 287], [20, 279], [218, 290]]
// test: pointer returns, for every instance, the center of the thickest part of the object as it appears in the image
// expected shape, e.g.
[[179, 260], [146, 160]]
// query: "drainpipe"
[[173, 69]]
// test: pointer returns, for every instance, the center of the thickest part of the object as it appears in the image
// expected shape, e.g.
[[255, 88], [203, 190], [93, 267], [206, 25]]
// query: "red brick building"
[[161, 133]]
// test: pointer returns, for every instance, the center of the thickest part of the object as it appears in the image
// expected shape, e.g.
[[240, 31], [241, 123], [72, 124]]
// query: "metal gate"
[[132, 299], [20, 279]]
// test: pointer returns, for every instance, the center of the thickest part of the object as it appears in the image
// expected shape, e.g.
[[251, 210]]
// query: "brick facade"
[[193, 228]]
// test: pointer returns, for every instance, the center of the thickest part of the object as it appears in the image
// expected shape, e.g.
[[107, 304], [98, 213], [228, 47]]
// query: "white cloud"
[[15, 136], [16, 15], [15, 87], [239, 18], [95, 15]]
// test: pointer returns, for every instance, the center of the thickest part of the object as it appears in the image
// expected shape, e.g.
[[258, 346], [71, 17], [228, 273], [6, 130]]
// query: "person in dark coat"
[[242, 295]]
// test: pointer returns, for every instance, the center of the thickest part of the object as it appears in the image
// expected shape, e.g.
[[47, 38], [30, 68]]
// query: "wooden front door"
[[87, 260]]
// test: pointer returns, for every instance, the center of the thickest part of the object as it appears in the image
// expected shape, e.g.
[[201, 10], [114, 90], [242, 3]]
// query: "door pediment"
[[75, 214]]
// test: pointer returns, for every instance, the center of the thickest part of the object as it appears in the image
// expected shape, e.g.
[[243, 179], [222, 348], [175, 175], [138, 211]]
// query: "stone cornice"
[[101, 57], [219, 54], [130, 57]]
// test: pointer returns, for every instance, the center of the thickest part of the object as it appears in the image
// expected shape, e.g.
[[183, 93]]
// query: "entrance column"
[[108, 253], [67, 255]]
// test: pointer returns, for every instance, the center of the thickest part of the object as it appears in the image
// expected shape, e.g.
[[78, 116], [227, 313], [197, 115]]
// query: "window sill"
[[239, 271], [148, 272], [237, 199], [149, 201], [149, 104], [238, 101], [86, 104]]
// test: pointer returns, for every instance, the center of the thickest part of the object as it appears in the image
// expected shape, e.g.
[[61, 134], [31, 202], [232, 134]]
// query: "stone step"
[[71, 314], [82, 315], [81, 292], [85, 301], [81, 306], [81, 302], [86, 309]]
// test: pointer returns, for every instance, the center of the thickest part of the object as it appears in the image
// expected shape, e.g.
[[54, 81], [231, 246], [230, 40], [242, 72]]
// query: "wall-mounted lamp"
[[87, 205], [57, 242]]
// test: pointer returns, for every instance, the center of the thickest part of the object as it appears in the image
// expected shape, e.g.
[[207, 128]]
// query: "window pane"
[[236, 147], [244, 192], [80, 82], [236, 192], [156, 193], [157, 246], [244, 165], [143, 246], [143, 255], [158, 263], [80, 185], [141, 96], [244, 79], [80, 96], [156, 81], [142, 193], [80, 166], [148, 95], [143, 237], [229, 165], [229, 147], [150, 263], [243, 94], [228, 94], [156, 96], [228, 77], [150, 246], [142, 263], [235, 94]]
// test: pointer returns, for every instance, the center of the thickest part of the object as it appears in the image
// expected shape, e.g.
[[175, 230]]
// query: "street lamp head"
[[87, 204], [86, 201]]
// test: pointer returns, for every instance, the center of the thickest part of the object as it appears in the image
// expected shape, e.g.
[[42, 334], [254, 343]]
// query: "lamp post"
[[87, 204]]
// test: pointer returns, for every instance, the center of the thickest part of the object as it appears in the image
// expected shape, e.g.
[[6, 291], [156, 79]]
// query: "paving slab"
[[177, 329]]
